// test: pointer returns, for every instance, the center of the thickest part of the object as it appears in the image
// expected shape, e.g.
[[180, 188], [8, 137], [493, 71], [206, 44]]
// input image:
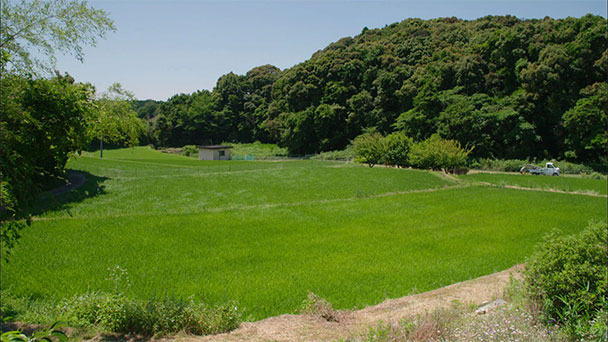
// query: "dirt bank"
[[309, 328]]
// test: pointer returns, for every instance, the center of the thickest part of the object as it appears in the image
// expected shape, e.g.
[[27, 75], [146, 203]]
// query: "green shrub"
[[505, 165], [320, 307], [161, 316], [190, 150], [397, 149], [114, 312], [257, 149], [370, 148], [347, 154], [594, 175], [567, 278], [381, 333], [569, 168], [28, 309], [108, 311], [50, 334], [436, 153]]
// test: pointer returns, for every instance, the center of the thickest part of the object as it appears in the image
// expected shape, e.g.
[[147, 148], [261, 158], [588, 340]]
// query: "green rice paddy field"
[[264, 233]]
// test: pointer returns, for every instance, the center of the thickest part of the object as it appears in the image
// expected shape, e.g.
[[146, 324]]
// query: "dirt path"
[[472, 172], [516, 187], [75, 180], [292, 328], [592, 194]]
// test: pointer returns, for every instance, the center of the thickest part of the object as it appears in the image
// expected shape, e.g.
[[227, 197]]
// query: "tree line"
[[397, 149], [508, 87]]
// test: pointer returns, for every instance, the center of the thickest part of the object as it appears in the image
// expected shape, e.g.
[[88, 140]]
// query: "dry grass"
[[509, 323], [321, 308]]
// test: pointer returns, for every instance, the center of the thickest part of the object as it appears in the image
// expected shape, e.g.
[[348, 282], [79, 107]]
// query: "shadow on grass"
[[63, 199]]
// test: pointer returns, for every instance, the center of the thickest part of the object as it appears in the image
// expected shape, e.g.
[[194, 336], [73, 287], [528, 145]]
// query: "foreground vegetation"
[[102, 312], [266, 233], [566, 280]]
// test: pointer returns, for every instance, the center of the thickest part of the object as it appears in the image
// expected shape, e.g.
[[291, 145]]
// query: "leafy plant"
[[439, 154], [115, 121], [42, 122], [381, 333], [190, 150], [119, 278], [346, 154], [567, 277], [397, 149], [156, 316], [317, 306], [370, 148], [48, 27], [49, 335]]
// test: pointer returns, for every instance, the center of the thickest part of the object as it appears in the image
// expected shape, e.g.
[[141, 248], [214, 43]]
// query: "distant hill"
[[512, 88]]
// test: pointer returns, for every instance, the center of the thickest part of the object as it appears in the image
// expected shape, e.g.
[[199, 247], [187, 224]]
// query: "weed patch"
[[319, 307], [111, 312]]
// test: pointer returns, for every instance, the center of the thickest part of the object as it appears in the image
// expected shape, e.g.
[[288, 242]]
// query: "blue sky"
[[163, 48]]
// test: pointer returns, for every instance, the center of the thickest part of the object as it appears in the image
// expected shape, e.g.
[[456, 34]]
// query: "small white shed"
[[214, 152]]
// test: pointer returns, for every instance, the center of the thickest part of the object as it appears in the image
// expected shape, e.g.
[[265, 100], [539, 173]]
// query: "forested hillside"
[[511, 88]]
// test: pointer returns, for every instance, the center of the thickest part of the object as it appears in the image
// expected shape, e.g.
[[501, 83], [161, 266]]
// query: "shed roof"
[[213, 147]]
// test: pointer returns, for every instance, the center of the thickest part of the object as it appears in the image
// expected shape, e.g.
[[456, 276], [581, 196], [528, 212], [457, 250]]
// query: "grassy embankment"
[[265, 233], [562, 183]]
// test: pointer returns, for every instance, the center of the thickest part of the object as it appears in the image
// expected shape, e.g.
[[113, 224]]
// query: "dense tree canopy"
[[510, 88], [115, 121], [42, 120], [47, 27]]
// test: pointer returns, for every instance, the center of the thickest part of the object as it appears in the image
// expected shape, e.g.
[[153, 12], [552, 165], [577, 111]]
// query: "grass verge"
[[567, 184]]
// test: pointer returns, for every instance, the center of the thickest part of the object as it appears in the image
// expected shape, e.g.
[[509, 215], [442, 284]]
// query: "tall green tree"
[[42, 120], [586, 124], [116, 121], [47, 27], [397, 149], [438, 154], [370, 148]]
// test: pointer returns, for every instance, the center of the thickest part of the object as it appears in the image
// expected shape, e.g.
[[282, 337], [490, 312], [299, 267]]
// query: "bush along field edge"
[[116, 312]]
